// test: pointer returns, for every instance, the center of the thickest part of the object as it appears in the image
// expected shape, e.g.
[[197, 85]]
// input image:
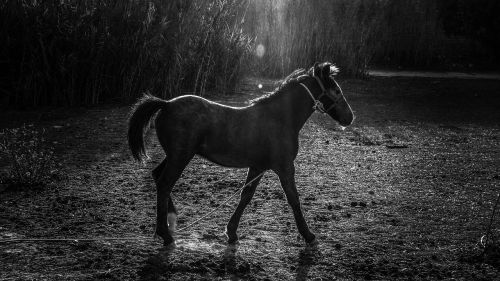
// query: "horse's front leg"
[[245, 197], [286, 174]]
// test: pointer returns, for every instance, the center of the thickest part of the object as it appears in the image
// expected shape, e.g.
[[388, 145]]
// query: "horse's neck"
[[295, 106]]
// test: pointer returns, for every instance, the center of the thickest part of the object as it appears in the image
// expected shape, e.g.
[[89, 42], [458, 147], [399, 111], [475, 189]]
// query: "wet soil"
[[405, 193]]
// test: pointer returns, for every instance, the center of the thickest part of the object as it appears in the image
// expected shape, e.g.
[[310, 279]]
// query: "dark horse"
[[262, 136]]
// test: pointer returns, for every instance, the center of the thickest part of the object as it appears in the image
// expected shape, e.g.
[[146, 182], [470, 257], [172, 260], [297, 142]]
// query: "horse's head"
[[332, 98]]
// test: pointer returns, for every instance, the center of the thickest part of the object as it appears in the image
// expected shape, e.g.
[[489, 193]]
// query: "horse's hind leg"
[[171, 210], [171, 215], [166, 179], [245, 197]]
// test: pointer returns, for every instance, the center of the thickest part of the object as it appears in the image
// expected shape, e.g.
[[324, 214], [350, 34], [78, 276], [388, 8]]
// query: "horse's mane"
[[293, 77]]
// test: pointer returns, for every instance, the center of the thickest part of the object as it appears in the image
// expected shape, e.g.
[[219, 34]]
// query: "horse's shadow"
[[187, 261], [308, 257], [156, 266], [227, 263]]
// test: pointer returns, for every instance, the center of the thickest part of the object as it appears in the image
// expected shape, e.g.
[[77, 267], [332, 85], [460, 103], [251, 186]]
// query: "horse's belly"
[[226, 159], [226, 154]]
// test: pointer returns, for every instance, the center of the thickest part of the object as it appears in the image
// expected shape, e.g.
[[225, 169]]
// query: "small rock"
[[330, 207], [371, 192], [327, 142]]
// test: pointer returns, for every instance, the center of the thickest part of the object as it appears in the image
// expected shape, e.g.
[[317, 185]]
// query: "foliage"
[[30, 158], [71, 52], [477, 23], [358, 33], [298, 33]]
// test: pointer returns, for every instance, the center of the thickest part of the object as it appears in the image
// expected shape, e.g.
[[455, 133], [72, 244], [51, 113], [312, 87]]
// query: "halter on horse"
[[262, 136]]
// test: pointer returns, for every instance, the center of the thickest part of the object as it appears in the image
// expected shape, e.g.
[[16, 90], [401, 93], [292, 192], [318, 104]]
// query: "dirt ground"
[[405, 193]]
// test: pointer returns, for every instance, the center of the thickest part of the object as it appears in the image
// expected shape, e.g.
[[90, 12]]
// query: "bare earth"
[[404, 193], [434, 74]]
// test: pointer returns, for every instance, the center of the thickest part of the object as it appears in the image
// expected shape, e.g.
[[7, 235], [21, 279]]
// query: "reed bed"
[[70, 52], [351, 33]]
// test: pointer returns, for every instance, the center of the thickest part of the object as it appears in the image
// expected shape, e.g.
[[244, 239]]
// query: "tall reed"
[[71, 52], [351, 33]]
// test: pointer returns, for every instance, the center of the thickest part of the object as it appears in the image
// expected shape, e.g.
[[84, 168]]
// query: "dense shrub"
[[71, 52]]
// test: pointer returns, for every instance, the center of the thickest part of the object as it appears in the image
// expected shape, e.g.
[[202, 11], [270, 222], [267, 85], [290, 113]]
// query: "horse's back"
[[188, 118], [229, 136]]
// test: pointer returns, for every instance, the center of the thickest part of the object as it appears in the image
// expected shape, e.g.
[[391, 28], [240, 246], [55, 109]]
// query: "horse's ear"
[[315, 70], [325, 70], [334, 70]]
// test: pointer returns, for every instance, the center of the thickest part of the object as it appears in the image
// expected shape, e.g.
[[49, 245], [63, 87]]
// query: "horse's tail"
[[140, 115]]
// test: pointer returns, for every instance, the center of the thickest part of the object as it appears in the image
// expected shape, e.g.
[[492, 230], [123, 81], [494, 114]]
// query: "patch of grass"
[[30, 159]]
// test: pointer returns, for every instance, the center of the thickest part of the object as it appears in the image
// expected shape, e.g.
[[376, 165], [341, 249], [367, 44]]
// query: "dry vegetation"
[[86, 52], [350, 33], [72, 52]]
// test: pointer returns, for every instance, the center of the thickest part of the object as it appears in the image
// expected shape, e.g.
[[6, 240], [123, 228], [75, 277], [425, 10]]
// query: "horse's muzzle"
[[347, 120]]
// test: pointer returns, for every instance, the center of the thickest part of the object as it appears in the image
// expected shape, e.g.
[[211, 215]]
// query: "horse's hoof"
[[231, 239], [169, 246], [313, 243]]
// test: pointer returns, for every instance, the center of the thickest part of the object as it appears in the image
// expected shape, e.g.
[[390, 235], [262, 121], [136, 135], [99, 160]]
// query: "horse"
[[261, 136]]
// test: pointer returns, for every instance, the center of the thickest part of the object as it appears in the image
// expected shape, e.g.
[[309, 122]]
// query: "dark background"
[[58, 53]]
